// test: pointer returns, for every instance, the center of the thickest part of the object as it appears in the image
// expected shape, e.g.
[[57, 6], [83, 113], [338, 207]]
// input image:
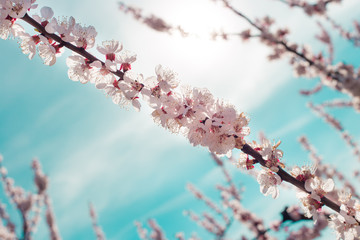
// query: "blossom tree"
[[203, 119]]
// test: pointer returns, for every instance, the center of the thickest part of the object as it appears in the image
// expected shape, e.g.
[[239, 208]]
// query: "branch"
[[78, 50], [97, 229], [287, 177], [338, 127], [341, 77]]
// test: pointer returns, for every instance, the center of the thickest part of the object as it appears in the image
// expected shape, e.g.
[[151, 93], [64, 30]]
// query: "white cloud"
[[292, 126]]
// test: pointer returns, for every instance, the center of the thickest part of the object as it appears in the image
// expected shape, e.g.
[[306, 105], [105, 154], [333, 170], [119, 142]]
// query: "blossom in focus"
[[318, 187], [8, 27], [28, 44], [64, 27], [271, 155], [244, 160], [302, 174], [125, 58], [268, 183], [342, 229], [311, 206], [102, 75], [47, 52], [79, 69], [110, 49], [84, 37], [167, 78], [349, 209], [18, 8], [46, 14]]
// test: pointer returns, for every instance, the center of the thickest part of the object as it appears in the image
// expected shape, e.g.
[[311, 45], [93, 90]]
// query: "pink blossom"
[[79, 69], [268, 183], [110, 49], [84, 37], [318, 187]]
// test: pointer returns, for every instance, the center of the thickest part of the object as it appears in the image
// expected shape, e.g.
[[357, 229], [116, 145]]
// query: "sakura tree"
[[326, 194]]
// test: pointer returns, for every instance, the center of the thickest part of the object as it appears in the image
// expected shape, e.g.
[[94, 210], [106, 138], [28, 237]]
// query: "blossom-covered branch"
[[337, 125], [97, 229], [341, 77], [154, 22], [317, 8], [26, 203], [320, 8], [326, 170], [203, 119]]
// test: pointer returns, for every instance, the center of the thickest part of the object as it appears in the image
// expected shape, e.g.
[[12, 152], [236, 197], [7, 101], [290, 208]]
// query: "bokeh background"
[[130, 168]]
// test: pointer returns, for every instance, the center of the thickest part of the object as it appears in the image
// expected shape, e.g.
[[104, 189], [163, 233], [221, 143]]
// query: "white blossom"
[[28, 44], [9, 27], [84, 37], [47, 52], [64, 27], [167, 78], [79, 69], [18, 8], [342, 229], [101, 75], [46, 14], [268, 183], [318, 187], [110, 49]]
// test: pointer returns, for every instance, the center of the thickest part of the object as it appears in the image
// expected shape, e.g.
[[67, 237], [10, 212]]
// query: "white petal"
[[110, 65], [96, 64], [136, 104], [308, 186], [100, 85], [328, 185], [47, 13]]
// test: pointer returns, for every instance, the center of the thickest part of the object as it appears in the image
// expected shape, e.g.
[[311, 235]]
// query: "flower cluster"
[[316, 8], [194, 112], [269, 152], [346, 223], [314, 185], [271, 155], [268, 183], [203, 119]]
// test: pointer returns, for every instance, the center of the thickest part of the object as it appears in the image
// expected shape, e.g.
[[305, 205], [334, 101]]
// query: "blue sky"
[[118, 159]]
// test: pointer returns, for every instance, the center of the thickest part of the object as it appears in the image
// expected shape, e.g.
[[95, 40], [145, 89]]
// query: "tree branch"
[[287, 177], [78, 50]]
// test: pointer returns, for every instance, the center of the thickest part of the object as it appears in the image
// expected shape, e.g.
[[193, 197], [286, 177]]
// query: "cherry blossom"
[[268, 183], [126, 58], [46, 15], [271, 155], [343, 229], [349, 209], [79, 69], [318, 187], [28, 44], [193, 112], [304, 173], [47, 51], [84, 37], [311, 206], [64, 27], [18, 8], [8, 27], [110, 49], [101, 75]]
